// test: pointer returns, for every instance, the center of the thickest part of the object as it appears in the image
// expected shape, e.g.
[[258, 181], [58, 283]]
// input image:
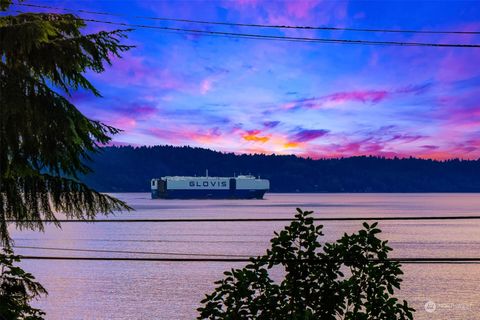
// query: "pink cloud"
[[363, 147], [207, 83], [462, 150], [292, 13], [144, 110], [181, 135], [205, 86], [308, 12], [458, 65], [458, 115], [387, 141], [247, 3], [133, 70], [301, 9], [352, 148], [338, 98], [444, 64], [124, 123], [363, 96], [383, 148], [373, 96]]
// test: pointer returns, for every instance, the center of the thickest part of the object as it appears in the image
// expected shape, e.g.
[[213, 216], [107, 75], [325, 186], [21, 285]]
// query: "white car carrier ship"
[[180, 187]]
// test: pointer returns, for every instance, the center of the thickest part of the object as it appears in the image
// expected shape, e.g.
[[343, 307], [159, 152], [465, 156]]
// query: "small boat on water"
[[184, 187]]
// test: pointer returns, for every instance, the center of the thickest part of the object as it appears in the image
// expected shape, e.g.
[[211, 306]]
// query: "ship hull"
[[187, 187], [209, 194]]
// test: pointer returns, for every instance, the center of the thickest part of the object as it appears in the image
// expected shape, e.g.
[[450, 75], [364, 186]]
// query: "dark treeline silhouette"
[[129, 169]]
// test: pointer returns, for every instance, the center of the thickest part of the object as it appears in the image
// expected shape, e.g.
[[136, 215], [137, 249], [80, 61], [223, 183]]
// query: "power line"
[[283, 38], [160, 240], [233, 257], [135, 259], [250, 219], [400, 260], [255, 25], [288, 38], [133, 252]]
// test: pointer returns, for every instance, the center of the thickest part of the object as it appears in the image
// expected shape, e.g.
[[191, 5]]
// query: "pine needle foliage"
[[349, 279], [4, 4], [45, 141]]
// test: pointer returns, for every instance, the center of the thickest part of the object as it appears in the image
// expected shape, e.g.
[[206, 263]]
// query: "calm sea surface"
[[160, 290]]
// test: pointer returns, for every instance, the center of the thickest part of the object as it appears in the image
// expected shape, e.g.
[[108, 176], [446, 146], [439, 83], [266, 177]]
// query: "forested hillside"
[[129, 169]]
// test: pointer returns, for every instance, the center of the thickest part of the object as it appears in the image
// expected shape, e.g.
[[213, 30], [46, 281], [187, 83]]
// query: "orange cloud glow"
[[291, 145], [252, 135]]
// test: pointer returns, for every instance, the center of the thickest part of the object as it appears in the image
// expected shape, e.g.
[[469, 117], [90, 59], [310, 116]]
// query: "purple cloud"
[[271, 124], [429, 147], [307, 135], [372, 96]]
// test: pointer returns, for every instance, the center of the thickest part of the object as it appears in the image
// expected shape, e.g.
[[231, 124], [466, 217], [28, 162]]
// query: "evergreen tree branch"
[[45, 140], [4, 4], [33, 197], [17, 289], [56, 136], [54, 49]]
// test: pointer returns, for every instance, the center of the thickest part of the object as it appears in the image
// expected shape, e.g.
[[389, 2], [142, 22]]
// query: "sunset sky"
[[309, 99]]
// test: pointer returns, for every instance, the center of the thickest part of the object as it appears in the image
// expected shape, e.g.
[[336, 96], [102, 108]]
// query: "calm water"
[[158, 290]]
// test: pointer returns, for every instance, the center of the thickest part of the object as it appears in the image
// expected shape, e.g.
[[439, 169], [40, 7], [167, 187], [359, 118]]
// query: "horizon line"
[[306, 157]]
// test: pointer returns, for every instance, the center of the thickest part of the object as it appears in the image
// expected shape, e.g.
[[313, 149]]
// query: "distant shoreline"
[[306, 193], [130, 169]]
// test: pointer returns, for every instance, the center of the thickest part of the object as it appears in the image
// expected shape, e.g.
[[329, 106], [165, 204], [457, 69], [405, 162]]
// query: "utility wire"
[[325, 28], [134, 252], [158, 240], [283, 38], [232, 257], [250, 219], [287, 38], [401, 260]]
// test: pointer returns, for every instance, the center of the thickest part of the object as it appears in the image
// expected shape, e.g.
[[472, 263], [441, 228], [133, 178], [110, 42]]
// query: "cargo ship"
[[181, 187]]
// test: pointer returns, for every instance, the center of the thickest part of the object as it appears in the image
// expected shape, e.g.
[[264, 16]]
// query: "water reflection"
[[159, 290]]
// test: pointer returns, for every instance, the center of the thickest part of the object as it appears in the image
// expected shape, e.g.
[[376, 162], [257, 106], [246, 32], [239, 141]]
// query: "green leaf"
[[313, 285]]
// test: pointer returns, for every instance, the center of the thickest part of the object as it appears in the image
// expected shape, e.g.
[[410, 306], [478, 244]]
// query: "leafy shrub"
[[351, 278]]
